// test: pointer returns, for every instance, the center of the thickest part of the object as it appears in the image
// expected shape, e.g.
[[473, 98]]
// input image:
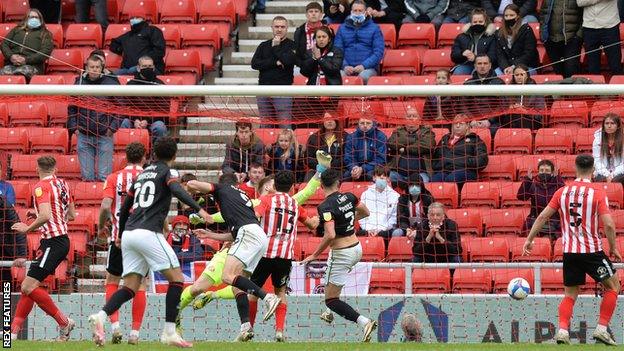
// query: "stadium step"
[[236, 81], [205, 175], [90, 285], [206, 136], [239, 71], [211, 123], [209, 162], [100, 257], [286, 7], [265, 32], [198, 150], [241, 58], [294, 19], [249, 45], [97, 270]]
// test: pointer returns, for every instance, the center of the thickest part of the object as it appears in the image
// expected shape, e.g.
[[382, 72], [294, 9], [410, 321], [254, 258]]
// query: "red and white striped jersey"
[[54, 191], [580, 205], [116, 187], [280, 213]]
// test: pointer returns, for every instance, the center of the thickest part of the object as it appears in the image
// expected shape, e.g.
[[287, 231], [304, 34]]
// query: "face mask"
[[148, 73], [414, 190], [178, 233], [135, 21], [33, 23], [544, 177], [477, 28], [510, 22], [381, 184], [358, 18]]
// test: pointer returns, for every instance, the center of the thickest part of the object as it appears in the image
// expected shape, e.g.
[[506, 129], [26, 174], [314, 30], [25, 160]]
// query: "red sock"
[[280, 316], [253, 309], [110, 290], [565, 312], [138, 309], [24, 306], [44, 301], [607, 306]]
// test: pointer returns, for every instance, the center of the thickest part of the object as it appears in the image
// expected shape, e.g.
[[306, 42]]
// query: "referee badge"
[[327, 216], [38, 192]]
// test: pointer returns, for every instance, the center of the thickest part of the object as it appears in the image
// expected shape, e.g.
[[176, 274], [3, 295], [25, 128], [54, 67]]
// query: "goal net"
[[492, 156]]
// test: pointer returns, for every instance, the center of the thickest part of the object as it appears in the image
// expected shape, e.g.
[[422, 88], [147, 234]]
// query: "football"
[[518, 288]]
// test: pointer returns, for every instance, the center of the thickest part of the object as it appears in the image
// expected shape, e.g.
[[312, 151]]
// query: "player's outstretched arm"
[[609, 229], [44, 213], [182, 195], [323, 163], [196, 186], [208, 234], [537, 226], [71, 212], [330, 234], [216, 217], [105, 213]]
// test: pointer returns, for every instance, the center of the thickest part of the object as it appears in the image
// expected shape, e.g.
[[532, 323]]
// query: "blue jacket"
[[6, 190], [366, 150], [362, 44], [187, 252]]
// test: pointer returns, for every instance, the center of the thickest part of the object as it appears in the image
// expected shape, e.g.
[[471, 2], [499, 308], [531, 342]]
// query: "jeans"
[[260, 4], [593, 39], [398, 177], [101, 11], [464, 68], [560, 50], [275, 110], [90, 146], [157, 128], [458, 176], [127, 71], [365, 74]]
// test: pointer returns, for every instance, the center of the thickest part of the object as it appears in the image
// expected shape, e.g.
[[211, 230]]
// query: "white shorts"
[[250, 245], [143, 249], [340, 262]]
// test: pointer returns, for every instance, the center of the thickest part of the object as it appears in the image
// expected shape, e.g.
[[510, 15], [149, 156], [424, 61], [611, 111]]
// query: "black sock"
[[343, 309], [246, 285], [172, 301], [242, 304], [120, 297]]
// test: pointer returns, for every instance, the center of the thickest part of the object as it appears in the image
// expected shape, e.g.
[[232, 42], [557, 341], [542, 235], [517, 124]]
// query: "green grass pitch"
[[265, 346]]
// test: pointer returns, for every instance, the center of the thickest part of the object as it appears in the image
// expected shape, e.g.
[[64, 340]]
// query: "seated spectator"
[[425, 11], [364, 150], [515, 43], [330, 138], [255, 174], [436, 239], [94, 129], [476, 39], [6, 189], [336, 11], [381, 201], [561, 31], [100, 9], [607, 150], [245, 149], [483, 105], [390, 11], [321, 64], [601, 32], [99, 53], [187, 246], [539, 190], [527, 9], [410, 148], [305, 34], [523, 104], [457, 11], [362, 43], [440, 108], [143, 39], [460, 155], [27, 47], [413, 203], [287, 155]]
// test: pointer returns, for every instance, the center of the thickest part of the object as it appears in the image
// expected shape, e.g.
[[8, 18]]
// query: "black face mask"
[[544, 177], [477, 28], [148, 73], [510, 22]]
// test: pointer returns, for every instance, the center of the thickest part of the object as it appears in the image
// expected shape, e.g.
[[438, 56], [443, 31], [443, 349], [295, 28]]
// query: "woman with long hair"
[[286, 154], [607, 150], [515, 43], [523, 104], [330, 138]]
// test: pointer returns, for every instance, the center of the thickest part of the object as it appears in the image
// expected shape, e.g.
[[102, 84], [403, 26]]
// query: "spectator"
[[561, 24], [477, 39], [381, 201], [387, 11], [13, 243], [27, 46], [146, 75], [495, 9], [362, 42], [6, 189], [245, 149], [275, 59], [94, 129], [601, 29], [330, 138], [539, 190], [142, 40], [457, 11], [99, 53], [51, 9], [460, 154], [336, 11], [524, 107], [305, 34], [187, 247], [321, 64], [439, 108], [287, 155], [83, 8], [484, 105], [255, 174], [607, 150], [425, 11], [410, 148], [413, 203], [436, 239], [515, 43], [364, 150]]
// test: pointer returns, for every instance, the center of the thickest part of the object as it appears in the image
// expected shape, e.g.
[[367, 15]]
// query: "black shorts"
[[50, 254], [114, 262], [575, 265], [277, 268]]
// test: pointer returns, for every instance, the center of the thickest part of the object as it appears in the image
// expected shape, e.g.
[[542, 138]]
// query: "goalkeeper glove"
[[196, 219], [323, 160]]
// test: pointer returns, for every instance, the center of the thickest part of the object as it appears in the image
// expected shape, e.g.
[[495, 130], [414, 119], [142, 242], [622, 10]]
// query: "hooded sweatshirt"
[[238, 158], [382, 206]]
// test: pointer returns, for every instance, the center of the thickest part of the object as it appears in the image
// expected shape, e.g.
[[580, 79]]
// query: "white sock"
[[362, 321], [13, 336], [564, 331], [601, 328], [102, 315], [115, 325], [169, 328], [245, 326], [134, 333], [328, 311]]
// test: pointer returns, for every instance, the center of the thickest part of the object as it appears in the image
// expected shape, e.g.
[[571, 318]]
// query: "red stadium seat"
[[436, 59], [302, 134], [543, 78], [502, 277], [507, 221], [385, 80], [23, 193], [78, 243], [123, 80], [389, 33], [88, 193], [398, 109], [419, 80], [551, 280], [468, 220], [417, 35], [596, 78], [28, 114], [498, 167], [513, 141], [113, 61], [179, 11], [614, 194], [85, 221], [400, 249], [387, 281], [300, 80], [541, 251], [447, 34], [584, 140], [172, 80], [486, 135], [431, 280], [145, 8], [509, 195], [558, 250], [268, 136], [171, 33], [32, 239], [113, 31], [4, 116], [470, 280], [445, 193], [200, 35], [401, 61], [123, 137], [12, 79], [14, 139], [5, 28], [353, 80], [569, 113], [68, 166], [83, 35], [43, 79], [217, 11], [48, 140], [185, 63], [66, 62], [24, 166], [601, 108], [493, 249], [310, 244], [553, 140], [373, 248], [357, 188], [617, 79], [480, 194], [15, 10]]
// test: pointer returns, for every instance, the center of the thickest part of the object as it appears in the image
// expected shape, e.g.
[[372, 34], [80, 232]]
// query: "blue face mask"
[[381, 183], [358, 18], [33, 23], [135, 21], [414, 190]]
